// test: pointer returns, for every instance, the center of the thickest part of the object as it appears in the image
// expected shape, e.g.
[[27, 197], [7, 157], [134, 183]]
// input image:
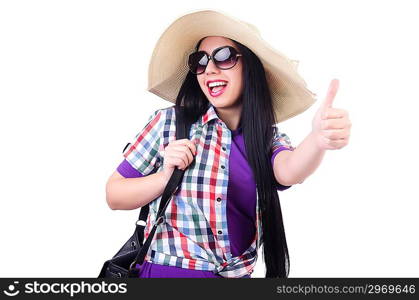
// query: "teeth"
[[216, 83]]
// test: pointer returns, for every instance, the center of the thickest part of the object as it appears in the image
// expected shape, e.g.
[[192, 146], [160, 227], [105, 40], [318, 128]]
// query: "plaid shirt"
[[194, 234]]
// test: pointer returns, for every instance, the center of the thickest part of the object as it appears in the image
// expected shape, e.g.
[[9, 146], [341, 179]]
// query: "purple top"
[[241, 195]]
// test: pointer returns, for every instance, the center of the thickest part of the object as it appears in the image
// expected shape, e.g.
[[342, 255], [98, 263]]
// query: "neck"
[[230, 115]]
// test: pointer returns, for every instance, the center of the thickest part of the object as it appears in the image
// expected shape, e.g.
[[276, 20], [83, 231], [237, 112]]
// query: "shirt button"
[[220, 232], [224, 148], [222, 167], [218, 199]]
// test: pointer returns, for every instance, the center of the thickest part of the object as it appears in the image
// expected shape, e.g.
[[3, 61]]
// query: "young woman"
[[235, 88]]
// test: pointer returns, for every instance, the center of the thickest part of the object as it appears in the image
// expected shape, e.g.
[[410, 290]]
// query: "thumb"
[[331, 93]]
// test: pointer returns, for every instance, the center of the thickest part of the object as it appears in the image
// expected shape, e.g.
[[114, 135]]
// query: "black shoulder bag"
[[133, 252]]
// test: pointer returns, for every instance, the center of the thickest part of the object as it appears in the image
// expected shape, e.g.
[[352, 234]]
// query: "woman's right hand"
[[179, 153]]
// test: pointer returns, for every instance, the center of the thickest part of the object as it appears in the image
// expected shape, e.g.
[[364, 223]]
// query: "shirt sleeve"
[[126, 170], [142, 154], [281, 142]]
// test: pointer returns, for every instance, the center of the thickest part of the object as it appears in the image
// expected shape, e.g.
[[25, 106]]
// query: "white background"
[[73, 77]]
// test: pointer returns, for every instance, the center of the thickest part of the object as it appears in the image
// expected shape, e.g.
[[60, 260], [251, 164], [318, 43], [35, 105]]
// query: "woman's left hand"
[[331, 126]]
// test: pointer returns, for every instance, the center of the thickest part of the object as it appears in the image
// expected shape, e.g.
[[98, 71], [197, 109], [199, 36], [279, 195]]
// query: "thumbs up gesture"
[[331, 126]]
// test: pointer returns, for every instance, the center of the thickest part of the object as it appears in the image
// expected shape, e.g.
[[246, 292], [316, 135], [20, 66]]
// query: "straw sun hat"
[[168, 65]]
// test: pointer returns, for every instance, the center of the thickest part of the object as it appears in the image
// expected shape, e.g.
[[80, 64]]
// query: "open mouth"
[[216, 87]]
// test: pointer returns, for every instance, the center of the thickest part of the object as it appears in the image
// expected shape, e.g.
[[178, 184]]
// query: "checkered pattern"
[[195, 233]]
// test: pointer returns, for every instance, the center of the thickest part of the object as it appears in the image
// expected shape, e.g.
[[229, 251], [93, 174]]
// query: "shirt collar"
[[209, 115], [237, 131]]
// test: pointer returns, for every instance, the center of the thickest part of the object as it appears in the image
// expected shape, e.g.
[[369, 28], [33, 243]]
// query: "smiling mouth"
[[216, 88]]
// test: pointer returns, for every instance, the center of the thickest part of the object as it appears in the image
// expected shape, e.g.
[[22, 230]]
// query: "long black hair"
[[257, 118]]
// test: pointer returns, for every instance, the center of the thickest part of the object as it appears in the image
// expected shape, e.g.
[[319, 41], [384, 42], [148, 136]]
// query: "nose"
[[211, 68]]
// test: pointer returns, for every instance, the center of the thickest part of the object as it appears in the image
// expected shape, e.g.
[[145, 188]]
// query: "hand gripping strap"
[[182, 131]]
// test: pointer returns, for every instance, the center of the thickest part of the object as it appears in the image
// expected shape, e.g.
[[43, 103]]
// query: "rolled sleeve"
[[126, 170], [143, 152], [280, 139], [281, 142]]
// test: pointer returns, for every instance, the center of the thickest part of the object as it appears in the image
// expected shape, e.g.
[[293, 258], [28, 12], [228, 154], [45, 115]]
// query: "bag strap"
[[182, 131]]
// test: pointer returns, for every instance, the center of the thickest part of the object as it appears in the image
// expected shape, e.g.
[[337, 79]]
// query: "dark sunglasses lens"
[[225, 58], [197, 62]]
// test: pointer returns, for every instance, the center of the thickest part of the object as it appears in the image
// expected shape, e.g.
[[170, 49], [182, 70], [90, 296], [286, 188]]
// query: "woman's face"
[[231, 93]]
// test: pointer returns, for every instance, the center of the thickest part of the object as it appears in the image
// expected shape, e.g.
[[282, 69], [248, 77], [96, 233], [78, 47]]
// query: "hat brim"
[[168, 64]]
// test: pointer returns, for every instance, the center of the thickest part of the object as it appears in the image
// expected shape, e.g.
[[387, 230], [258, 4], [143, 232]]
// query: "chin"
[[219, 104], [223, 100]]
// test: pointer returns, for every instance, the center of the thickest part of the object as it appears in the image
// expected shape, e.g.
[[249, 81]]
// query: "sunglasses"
[[224, 58]]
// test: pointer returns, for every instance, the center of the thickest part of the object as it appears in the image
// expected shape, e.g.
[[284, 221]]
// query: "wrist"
[[316, 140], [163, 177]]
